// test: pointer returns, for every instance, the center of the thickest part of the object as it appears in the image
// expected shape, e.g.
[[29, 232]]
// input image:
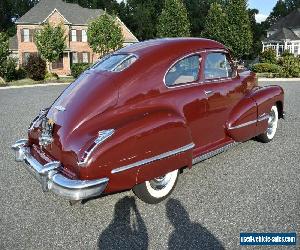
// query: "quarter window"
[[184, 71], [217, 65]]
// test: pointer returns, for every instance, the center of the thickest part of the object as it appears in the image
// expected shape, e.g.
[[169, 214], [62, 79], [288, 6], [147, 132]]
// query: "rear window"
[[114, 63]]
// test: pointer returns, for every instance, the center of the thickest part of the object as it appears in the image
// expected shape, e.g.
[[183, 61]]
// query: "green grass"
[[28, 81]]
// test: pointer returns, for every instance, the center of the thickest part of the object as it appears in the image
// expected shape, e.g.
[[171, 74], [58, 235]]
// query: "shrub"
[[36, 68], [9, 69], [21, 73], [268, 56], [78, 68], [266, 68], [290, 65], [51, 76]]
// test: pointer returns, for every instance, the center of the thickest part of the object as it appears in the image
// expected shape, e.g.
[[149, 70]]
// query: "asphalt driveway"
[[253, 187]]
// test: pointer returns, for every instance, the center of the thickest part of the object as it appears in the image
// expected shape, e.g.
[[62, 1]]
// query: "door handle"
[[208, 92]]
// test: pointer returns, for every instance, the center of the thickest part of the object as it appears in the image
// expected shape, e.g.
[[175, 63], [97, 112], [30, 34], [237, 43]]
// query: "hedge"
[[266, 68], [78, 68]]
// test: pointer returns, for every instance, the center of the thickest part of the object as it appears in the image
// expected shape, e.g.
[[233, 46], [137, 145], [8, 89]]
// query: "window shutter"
[[79, 35], [30, 35], [88, 56], [80, 57], [22, 35]]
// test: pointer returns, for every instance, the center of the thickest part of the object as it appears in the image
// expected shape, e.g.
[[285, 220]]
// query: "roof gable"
[[290, 21], [73, 13]]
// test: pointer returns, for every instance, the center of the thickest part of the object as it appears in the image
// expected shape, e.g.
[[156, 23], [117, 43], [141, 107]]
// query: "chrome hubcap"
[[160, 182], [271, 123]]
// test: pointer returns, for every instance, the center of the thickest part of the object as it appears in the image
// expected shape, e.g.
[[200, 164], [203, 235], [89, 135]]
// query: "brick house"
[[74, 19]]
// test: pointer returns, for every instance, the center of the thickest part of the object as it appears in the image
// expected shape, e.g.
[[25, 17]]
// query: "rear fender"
[[137, 151]]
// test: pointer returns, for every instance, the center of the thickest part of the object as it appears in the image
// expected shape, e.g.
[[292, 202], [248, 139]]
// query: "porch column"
[[263, 49], [277, 49], [285, 45]]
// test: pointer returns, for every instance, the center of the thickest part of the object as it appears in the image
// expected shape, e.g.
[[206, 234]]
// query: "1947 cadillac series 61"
[[137, 117]]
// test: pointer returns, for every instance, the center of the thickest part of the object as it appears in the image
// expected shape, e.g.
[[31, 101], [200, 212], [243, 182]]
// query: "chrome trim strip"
[[60, 108], [213, 153], [243, 125], [155, 158], [263, 117]]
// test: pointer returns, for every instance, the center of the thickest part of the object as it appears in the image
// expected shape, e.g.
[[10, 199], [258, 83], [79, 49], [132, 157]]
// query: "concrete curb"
[[35, 85], [279, 79]]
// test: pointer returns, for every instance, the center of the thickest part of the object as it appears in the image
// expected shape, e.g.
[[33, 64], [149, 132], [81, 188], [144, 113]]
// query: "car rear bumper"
[[52, 180]]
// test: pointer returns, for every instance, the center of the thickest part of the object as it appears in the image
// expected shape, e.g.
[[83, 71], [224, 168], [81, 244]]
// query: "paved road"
[[253, 187]]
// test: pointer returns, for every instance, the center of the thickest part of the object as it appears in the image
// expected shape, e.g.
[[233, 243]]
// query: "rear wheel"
[[269, 134], [158, 189]]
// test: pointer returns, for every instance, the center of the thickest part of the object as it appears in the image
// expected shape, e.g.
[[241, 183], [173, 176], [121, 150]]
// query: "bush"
[[290, 65], [21, 73], [266, 68], [9, 69], [36, 68], [268, 56], [78, 68], [51, 76]]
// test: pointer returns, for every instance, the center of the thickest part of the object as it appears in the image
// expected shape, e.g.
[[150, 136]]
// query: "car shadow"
[[188, 234], [127, 230]]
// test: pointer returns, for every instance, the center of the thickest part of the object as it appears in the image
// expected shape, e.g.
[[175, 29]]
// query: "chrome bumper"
[[51, 180]]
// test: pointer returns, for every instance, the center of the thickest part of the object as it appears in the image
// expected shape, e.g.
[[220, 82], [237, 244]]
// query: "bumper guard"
[[52, 180]]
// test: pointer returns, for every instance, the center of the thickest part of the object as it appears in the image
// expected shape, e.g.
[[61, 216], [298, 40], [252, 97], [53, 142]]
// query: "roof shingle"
[[283, 34], [73, 13]]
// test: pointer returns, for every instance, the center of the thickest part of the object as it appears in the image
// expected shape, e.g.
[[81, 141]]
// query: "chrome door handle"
[[208, 92]]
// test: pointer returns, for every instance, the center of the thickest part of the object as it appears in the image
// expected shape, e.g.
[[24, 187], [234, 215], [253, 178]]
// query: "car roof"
[[172, 44]]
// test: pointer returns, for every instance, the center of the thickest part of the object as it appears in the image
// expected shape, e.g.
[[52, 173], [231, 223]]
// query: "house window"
[[26, 35], [73, 36], [74, 57], [59, 63], [26, 56], [84, 36], [85, 57]]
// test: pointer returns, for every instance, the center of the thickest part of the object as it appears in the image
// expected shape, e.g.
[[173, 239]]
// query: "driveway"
[[252, 187]]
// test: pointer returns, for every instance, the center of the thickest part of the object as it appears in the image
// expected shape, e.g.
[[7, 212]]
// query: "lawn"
[[28, 81]]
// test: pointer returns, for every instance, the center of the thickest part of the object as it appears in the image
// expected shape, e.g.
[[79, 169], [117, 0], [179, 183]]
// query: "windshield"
[[114, 63]]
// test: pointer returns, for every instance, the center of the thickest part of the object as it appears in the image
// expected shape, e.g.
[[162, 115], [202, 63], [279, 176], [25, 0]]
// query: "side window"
[[217, 65], [184, 71]]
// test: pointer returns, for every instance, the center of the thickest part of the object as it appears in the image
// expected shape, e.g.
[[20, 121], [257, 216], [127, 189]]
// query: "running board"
[[213, 153]]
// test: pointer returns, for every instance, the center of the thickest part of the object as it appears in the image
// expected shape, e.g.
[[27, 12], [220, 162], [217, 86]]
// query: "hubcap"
[[160, 182]]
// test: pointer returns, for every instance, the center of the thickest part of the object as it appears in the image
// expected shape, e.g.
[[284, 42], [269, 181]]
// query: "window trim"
[[221, 79], [195, 82], [75, 36]]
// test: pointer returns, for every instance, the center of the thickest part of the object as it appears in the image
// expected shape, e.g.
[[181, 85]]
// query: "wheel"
[[158, 189], [272, 126]]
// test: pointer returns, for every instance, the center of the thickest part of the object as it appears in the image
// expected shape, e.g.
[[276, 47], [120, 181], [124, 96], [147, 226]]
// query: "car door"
[[223, 89]]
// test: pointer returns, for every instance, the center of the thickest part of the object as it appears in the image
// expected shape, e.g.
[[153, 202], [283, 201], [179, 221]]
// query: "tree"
[[50, 42], [141, 16], [4, 52], [173, 20], [104, 34], [239, 28], [280, 10], [216, 24]]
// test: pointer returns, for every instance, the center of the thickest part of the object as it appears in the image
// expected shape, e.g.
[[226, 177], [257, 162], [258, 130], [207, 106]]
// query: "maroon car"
[[139, 116]]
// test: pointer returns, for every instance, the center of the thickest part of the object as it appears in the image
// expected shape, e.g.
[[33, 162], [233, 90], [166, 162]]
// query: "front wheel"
[[158, 189], [269, 134]]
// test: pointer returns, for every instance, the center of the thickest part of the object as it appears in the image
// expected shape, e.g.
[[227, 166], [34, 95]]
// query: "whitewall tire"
[[272, 126], [158, 189]]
